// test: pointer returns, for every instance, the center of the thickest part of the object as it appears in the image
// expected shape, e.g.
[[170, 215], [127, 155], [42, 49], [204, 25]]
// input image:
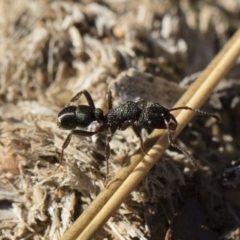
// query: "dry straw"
[[126, 180]]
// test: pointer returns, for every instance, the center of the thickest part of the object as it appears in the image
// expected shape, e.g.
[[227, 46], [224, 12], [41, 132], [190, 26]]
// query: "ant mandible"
[[139, 114]]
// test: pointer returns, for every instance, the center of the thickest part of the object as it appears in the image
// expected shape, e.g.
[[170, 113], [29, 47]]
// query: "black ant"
[[137, 114]]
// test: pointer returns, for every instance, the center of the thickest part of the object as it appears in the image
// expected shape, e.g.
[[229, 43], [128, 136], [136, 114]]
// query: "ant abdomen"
[[72, 117], [67, 118]]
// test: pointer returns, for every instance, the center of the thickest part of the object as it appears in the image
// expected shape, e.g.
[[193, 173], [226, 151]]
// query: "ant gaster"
[[137, 114]]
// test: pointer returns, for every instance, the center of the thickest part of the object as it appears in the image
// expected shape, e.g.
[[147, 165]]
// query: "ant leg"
[[109, 98], [197, 111], [136, 131], [170, 140], [107, 153], [173, 126], [81, 133], [174, 119], [87, 96], [65, 144]]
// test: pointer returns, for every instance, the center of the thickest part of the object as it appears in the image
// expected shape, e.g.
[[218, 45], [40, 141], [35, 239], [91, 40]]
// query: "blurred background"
[[50, 50]]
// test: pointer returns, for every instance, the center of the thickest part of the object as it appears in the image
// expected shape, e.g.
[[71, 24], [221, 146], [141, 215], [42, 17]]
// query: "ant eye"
[[67, 118]]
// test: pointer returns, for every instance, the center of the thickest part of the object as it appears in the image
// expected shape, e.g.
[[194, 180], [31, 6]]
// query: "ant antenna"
[[197, 111]]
